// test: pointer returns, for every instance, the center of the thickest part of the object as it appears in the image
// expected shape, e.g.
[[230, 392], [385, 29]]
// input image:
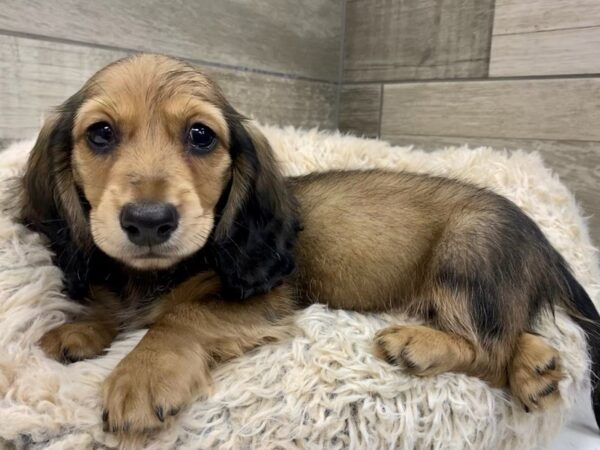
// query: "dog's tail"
[[584, 313]]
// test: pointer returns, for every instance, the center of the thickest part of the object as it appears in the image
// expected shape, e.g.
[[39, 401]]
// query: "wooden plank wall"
[[505, 73], [278, 61]]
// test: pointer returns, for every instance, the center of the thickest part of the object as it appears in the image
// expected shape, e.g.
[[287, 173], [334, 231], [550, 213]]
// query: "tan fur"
[[85, 338], [371, 241], [196, 329], [364, 240], [78, 340], [150, 163], [535, 372], [368, 245], [424, 351]]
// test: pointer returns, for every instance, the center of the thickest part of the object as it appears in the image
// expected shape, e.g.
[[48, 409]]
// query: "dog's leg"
[[533, 373], [422, 350], [87, 336], [425, 350], [501, 354], [481, 289], [465, 333], [171, 364]]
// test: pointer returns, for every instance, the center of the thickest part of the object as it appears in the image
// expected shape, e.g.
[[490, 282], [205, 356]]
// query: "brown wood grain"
[[301, 38], [396, 40], [360, 107]]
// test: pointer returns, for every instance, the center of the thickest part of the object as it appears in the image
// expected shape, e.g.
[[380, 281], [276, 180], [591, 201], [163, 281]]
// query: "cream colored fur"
[[323, 389]]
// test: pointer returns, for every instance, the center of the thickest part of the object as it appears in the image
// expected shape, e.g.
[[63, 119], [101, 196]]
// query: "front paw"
[[147, 389], [76, 341]]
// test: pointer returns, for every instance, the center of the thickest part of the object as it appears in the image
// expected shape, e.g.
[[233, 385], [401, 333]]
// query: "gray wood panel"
[[576, 162], [555, 109], [558, 52], [38, 75], [520, 16], [360, 108], [286, 36], [279, 101], [397, 40]]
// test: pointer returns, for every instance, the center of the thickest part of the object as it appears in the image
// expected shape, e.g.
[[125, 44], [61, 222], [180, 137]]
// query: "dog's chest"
[[140, 299], [139, 295]]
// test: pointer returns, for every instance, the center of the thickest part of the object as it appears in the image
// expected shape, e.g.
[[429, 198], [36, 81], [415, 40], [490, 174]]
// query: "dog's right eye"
[[101, 137]]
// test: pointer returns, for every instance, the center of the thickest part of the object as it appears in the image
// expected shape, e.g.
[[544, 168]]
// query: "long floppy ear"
[[253, 242], [51, 203]]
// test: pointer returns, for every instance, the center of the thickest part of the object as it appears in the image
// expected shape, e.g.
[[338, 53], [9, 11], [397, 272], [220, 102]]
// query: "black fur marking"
[[160, 413], [524, 240], [67, 357], [549, 389], [50, 221], [390, 359], [408, 363], [550, 366], [483, 297], [257, 253], [590, 323]]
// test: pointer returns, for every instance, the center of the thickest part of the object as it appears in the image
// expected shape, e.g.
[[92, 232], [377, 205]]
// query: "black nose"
[[149, 223]]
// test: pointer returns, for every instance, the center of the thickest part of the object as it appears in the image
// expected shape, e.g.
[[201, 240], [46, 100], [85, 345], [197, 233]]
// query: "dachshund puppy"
[[165, 209]]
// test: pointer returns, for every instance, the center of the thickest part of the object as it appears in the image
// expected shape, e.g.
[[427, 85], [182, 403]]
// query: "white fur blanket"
[[321, 390]]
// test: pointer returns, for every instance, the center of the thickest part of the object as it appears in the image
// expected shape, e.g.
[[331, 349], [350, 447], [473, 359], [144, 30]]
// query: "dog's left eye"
[[101, 137], [201, 139]]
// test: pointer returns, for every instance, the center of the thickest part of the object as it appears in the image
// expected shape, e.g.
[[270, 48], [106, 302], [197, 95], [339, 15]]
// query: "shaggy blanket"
[[321, 390]]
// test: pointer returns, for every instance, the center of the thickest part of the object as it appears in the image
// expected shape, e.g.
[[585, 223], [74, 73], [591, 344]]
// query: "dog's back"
[[466, 260]]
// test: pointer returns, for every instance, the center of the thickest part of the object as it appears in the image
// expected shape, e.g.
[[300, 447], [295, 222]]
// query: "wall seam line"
[[201, 62], [340, 69]]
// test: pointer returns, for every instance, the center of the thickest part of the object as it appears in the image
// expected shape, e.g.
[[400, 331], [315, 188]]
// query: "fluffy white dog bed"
[[323, 389]]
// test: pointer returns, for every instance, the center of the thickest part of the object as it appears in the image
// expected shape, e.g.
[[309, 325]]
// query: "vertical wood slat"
[[360, 109]]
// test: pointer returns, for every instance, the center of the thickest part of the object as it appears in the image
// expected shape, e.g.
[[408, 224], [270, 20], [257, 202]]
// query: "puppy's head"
[[149, 163]]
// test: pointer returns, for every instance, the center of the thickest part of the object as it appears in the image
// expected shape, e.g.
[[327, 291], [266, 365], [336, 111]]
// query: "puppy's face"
[[150, 153]]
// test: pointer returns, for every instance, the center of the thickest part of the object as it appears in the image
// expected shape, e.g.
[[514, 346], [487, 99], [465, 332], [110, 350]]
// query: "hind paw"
[[535, 373]]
